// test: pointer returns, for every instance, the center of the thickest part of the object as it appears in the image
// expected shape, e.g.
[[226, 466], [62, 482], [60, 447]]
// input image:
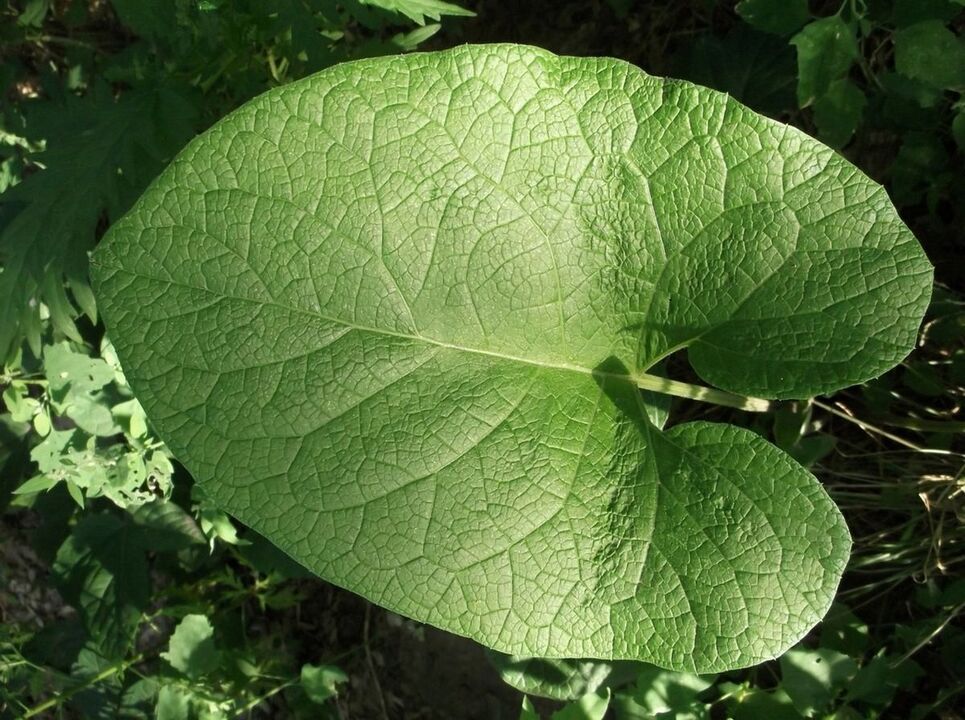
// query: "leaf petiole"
[[698, 392]]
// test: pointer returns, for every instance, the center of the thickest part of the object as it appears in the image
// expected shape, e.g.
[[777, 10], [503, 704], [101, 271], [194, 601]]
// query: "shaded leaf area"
[[102, 569]]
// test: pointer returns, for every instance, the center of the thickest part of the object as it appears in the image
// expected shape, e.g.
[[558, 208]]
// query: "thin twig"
[[371, 664], [868, 427]]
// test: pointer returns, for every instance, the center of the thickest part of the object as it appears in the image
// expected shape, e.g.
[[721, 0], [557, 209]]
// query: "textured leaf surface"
[[388, 316]]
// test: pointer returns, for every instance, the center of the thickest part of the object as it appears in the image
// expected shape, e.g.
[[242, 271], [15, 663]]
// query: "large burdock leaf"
[[393, 316]]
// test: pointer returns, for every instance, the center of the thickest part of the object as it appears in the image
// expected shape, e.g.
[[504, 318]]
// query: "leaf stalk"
[[698, 392]]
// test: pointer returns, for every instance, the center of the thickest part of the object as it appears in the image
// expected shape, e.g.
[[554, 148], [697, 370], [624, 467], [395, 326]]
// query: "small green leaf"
[[592, 706], [826, 49], [40, 483], [80, 372], [527, 711], [173, 703], [872, 683], [412, 39], [661, 691], [320, 682], [191, 649], [49, 452], [561, 679], [931, 53], [838, 112], [419, 10], [165, 527], [41, 422], [760, 704], [20, 405], [845, 632], [781, 17], [812, 678]]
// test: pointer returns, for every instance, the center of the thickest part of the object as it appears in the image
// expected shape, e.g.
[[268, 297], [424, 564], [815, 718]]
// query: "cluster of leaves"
[[102, 96], [153, 582]]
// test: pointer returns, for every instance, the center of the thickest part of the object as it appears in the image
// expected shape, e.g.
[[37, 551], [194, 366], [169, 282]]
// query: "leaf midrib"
[[380, 331]]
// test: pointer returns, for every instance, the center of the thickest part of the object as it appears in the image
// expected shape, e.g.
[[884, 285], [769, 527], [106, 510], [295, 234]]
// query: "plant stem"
[[67, 694], [261, 698], [698, 392], [868, 427]]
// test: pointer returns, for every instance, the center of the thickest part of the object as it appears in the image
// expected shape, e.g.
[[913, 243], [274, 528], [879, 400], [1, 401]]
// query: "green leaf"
[[527, 711], [419, 10], [40, 483], [909, 12], [75, 382], [843, 631], [101, 570], [931, 53], [812, 678], [561, 679], [191, 649], [758, 704], [826, 49], [781, 17], [393, 317], [592, 706], [874, 683], [67, 369], [320, 682], [661, 691], [165, 527], [173, 703], [838, 112]]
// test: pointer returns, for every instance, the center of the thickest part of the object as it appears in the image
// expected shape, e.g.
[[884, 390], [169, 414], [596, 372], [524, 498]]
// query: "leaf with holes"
[[395, 317]]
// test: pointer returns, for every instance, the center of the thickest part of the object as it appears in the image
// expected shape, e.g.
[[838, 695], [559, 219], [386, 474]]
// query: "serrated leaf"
[[393, 317], [931, 53], [781, 17], [191, 649], [100, 152], [101, 570], [419, 10], [826, 49]]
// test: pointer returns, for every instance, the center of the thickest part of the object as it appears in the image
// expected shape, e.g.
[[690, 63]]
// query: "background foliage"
[[123, 593]]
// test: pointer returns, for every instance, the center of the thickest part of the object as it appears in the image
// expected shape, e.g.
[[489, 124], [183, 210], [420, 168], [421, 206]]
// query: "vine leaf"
[[391, 317]]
